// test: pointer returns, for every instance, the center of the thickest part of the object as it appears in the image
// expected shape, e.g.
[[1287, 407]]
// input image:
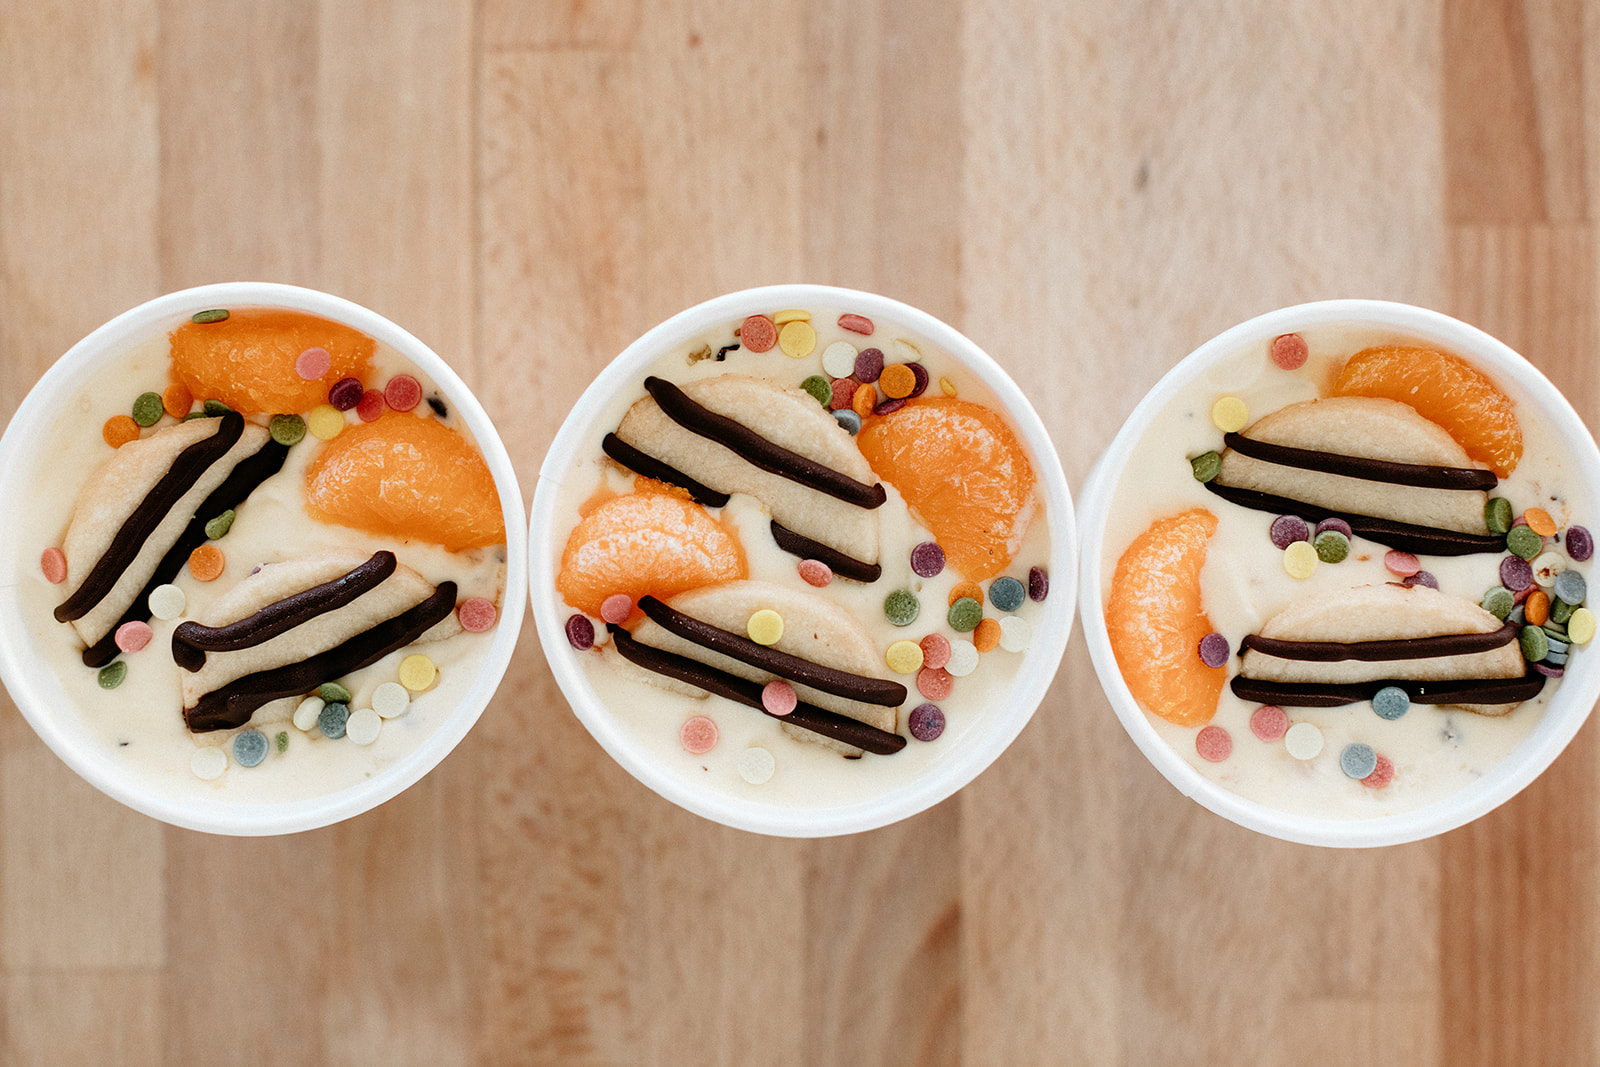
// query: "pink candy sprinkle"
[[1214, 744], [1269, 723], [403, 392], [616, 608], [370, 407], [778, 698], [477, 614], [935, 683], [1381, 775], [1290, 351], [313, 363], [54, 564], [1402, 563], [698, 735], [844, 390], [815, 572], [855, 323], [935, 650], [132, 636]]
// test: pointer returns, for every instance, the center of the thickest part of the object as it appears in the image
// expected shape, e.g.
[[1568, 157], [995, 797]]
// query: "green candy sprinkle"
[[1332, 546], [1522, 541], [214, 408], [333, 693], [820, 388], [1497, 514], [902, 607], [214, 315], [1498, 602], [194, 415], [1206, 466], [147, 410], [1561, 611], [112, 674], [282, 741], [965, 614], [1535, 645], [219, 526], [287, 429]]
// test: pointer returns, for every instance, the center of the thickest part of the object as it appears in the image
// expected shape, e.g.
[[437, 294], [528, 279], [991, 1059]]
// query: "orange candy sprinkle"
[[987, 636], [968, 589], [176, 400], [865, 399], [897, 381], [119, 430], [206, 562], [1540, 522], [1536, 609]]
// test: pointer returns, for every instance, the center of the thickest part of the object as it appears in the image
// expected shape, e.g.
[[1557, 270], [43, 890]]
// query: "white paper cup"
[[1568, 707], [39, 691], [1011, 706]]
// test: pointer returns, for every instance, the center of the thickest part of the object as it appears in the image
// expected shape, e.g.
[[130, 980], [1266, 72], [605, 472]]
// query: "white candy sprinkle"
[[391, 700], [363, 726], [963, 658], [1303, 740], [208, 763], [1545, 568], [307, 714], [167, 602], [1016, 633], [839, 359], [756, 766]]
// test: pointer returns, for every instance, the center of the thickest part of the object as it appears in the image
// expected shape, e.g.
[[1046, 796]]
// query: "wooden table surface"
[[1089, 189]]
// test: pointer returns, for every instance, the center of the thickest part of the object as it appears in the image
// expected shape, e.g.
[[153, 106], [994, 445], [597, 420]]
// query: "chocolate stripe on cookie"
[[864, 688], [651, 467], [800, 545], [233, 704], [742, 691], [191, 641], [1422, 540], [136, 529], [243, 480], [757, 450], [1422, 476], [1324, 695], [1381, 651]]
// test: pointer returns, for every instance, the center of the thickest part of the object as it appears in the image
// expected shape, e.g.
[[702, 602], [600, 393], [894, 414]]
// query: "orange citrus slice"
[[1156, 621], [406, 477], [962, 473], [247, 360], [1444, 389], [645, 542]]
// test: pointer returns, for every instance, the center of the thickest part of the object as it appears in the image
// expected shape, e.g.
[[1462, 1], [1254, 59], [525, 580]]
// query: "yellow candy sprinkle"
[[797, 339], [325, 422], [947, 387], [903, 657], [1581, 626], [417, 672], [1300, 559], [792, 315], [1230, 415], [765, 627]]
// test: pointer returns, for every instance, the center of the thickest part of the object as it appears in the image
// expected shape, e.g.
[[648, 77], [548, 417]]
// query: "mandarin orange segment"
[[247, 360], [645, 542], [1155, 619], [1444, 389], [962, 473], [407, 477]]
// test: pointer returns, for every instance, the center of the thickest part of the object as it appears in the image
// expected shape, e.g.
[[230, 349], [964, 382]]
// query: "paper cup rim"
[[1052, 631], [220, 816], [1563, 716]]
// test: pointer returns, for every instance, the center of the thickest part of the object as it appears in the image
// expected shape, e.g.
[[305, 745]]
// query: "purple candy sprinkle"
[[1287, 529], [580, 632], [1214, 650], [888, 407], [1338, 525], [1547, 670], [919, 376], [345, 394], [927, 559], [926, 722], [1580, 545], [1038, 584], [869, 364], [1516, 573], [1421, 578]]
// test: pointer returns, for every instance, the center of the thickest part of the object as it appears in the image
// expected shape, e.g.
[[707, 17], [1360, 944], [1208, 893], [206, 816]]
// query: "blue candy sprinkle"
[[1358, 760], [1571, 587], [848, 419], [332, 720], [1390, 702], [250, 748], [1555, 659], [1006, 593]]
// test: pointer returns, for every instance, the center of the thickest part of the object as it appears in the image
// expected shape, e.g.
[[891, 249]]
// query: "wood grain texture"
[[1088, 189]]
